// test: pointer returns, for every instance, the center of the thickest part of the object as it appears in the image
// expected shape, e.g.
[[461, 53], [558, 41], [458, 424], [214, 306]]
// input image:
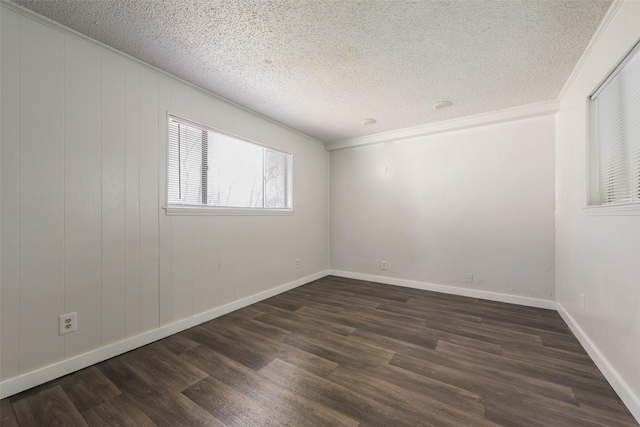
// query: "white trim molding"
[[204, 211], [618, 209], [56, 25], [494, 117], [604, 24], [453, 290], [23, 382], [631, 400]]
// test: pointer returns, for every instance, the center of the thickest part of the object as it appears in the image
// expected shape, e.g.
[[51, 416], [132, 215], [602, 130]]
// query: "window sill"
[[616, 209], [172, 211]]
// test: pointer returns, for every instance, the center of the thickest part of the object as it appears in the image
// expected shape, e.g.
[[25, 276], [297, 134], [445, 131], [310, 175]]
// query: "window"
[[210, 169], [615, 135]]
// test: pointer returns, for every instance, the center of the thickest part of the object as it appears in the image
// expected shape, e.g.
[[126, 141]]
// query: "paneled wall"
[[598, 274], [477, 201], [83, 175]]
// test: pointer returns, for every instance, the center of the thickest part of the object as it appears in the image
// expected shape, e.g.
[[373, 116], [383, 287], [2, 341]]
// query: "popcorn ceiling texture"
[[322, 66]]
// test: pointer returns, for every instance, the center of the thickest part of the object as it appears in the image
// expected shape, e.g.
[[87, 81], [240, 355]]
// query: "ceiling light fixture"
[[442, 104], [368, 122]]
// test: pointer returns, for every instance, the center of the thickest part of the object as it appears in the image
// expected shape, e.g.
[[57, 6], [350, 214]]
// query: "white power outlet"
[[297, 262], [67, 323], [383, 264], [469, 278]]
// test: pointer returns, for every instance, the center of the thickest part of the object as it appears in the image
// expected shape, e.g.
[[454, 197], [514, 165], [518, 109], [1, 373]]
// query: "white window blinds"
[[212, 169], [616, 111]]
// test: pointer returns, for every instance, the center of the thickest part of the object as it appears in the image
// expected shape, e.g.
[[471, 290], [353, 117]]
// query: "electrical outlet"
[[469, 278], [67, 323], [383, 264], [297, 262]]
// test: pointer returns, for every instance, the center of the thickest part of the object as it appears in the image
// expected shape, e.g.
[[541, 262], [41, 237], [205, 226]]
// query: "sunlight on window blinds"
[[617, 110], [211, 169]]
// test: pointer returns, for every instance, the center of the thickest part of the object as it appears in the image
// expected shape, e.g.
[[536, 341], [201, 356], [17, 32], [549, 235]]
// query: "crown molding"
[[608, 17], [545, 108], [56, 25]]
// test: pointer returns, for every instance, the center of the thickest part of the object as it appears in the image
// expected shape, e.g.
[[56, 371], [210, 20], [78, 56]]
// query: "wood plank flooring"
[[342, 352]]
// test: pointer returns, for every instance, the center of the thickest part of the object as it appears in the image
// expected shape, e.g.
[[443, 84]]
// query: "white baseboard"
[[466, 292], [631, 400], [23, 382]]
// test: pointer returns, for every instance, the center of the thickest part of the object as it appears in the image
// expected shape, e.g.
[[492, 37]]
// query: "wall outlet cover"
[[67, 323]]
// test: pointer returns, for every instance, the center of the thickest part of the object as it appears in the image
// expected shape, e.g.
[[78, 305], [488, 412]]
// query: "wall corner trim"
[[631, 400], [539, 109], [446, 289], [25, 381], [592, 43]]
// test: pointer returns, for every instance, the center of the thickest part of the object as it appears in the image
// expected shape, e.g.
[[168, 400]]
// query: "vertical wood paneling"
[[41, 194], [113, 198], [198, 100], [83, 200], [227, 250], [83, 180], [242, 257], [218, 233], [196, 263], [210, 263], [132, 199], [250, 256], [181, 99], [209, 244], [181, 267], [149, 304], [181, 227], [164, 222], [277, 263], [10, 200]]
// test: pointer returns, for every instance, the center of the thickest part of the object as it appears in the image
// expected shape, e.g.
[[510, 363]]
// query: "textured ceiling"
[[322, 66]]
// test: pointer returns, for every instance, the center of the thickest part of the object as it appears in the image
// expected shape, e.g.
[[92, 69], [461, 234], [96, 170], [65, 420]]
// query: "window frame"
[[594, 205], [203, 210]]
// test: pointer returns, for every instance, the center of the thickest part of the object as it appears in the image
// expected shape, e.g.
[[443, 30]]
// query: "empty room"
[[320, 213]]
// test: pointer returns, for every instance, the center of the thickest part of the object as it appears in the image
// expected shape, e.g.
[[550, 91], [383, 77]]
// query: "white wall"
[[598, 256], [475, 201], [83, 159]]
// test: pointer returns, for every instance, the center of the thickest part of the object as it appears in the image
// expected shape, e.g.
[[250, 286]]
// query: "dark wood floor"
[[341, 352]]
